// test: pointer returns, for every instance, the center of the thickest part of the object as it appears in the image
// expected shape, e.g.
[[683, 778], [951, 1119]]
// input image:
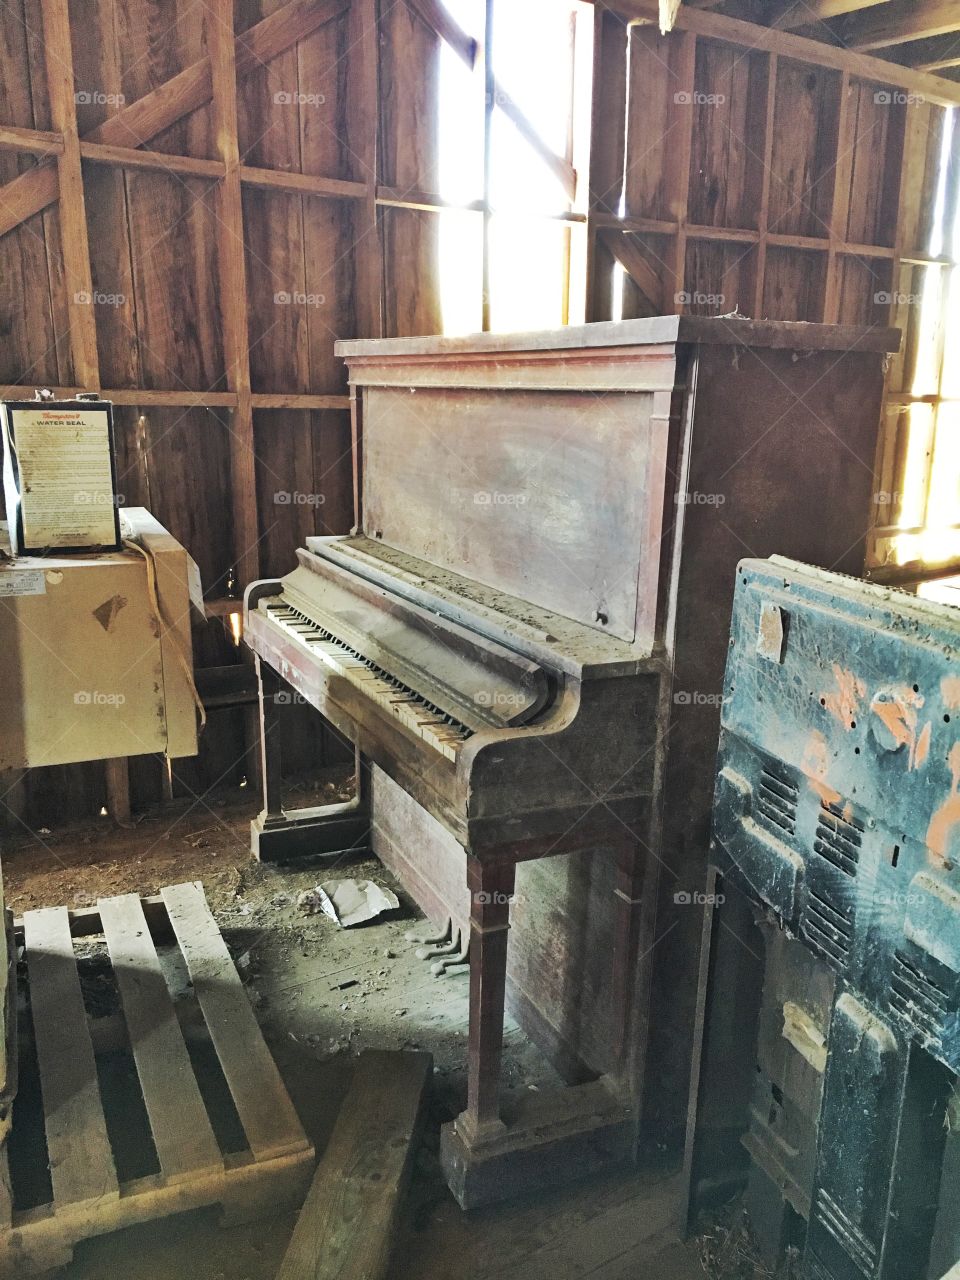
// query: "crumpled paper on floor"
[[348, 902]]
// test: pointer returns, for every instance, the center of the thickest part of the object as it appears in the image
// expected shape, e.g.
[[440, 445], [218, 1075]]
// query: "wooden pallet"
[[270, 1175]]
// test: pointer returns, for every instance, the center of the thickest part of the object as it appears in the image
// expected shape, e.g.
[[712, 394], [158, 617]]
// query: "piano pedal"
[[431, 938], [454, 964], [447, 948]]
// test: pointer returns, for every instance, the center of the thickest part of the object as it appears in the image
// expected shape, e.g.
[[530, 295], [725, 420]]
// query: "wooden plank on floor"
[[266, 1112], [348, 1222], [81, 1162], [182, 1133]]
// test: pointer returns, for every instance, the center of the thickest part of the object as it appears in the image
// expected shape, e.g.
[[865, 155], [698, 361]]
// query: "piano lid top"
[[735, 331], [548, 637]]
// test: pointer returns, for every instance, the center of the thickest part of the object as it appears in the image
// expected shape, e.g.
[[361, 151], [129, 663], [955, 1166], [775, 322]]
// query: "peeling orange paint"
[[844, 701], [898, 710], [950, 692], [948, 815], [814, 764]]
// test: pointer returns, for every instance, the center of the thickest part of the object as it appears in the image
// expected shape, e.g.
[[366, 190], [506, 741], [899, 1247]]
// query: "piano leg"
[[268, 686], [630, 865], [277, 835], [491, 889], [548, 1137]]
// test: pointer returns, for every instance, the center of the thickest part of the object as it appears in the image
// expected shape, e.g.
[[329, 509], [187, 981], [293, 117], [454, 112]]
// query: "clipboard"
[[59, 475]]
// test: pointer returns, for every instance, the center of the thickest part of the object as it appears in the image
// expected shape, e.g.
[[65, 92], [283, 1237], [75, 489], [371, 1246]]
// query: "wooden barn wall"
[[733, 178], [281, 239]]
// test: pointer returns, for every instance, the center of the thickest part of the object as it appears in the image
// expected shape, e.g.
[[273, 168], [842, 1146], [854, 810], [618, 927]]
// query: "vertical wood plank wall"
[[188, 220], [743, 179]]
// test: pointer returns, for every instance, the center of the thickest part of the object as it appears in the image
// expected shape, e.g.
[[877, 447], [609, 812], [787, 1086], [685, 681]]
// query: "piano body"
[[524, 637]]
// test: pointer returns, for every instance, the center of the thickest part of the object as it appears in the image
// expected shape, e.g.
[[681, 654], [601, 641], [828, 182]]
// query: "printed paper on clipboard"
[[59, 476]]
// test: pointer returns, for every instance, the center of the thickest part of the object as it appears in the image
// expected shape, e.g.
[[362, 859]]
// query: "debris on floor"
[[728, 1250], [348, 902]]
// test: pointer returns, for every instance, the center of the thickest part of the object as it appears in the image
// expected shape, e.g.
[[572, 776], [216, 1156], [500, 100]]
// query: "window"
[[918, 504], [513, 162]]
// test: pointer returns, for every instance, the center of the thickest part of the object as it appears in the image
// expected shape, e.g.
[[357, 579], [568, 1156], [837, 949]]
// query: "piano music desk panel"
[[525, 636], [553, 497]]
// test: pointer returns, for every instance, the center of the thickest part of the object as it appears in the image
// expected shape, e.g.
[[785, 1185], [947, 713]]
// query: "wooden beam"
[[185, 399], [438, 19], [303, 183], [138, 122], [349, 1225], [161, 161], [363, 126], [171, 399], [271, 179], [678, 169], [27, 195], [631, 257], [116, 774], [763, 213], [607, 141], [426, 201], [668, 14], [300, 400], [896, 22], [39, 142], [840, 205], [231, 270], [716, 26], [77, 277], [285, 27], [135, 124], [805, 13], [559, 165], [935, 53]]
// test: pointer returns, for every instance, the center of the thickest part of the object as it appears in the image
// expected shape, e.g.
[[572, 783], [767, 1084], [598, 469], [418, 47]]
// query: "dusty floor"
[[321, 994]]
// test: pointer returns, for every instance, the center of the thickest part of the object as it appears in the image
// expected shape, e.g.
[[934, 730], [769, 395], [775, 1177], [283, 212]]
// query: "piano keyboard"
[[427, 721]]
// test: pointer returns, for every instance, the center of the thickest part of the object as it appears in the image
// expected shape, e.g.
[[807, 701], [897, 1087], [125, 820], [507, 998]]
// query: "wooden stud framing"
[[364, 130], [772, 252], [77, 273], [33, 141], [898, 21], [231, 270], [841, 184], [73, 219], [749, 35], [607, 132], [764, 211]]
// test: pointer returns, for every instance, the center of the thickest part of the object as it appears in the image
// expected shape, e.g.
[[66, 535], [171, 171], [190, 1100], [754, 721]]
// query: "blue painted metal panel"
[[838, 809], [838, 791]]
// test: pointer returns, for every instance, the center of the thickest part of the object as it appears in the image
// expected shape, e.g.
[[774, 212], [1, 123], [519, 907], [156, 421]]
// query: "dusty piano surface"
[[525, 639]]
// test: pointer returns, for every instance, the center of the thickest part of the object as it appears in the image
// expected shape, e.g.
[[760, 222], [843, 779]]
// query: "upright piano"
[[524, 637]]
